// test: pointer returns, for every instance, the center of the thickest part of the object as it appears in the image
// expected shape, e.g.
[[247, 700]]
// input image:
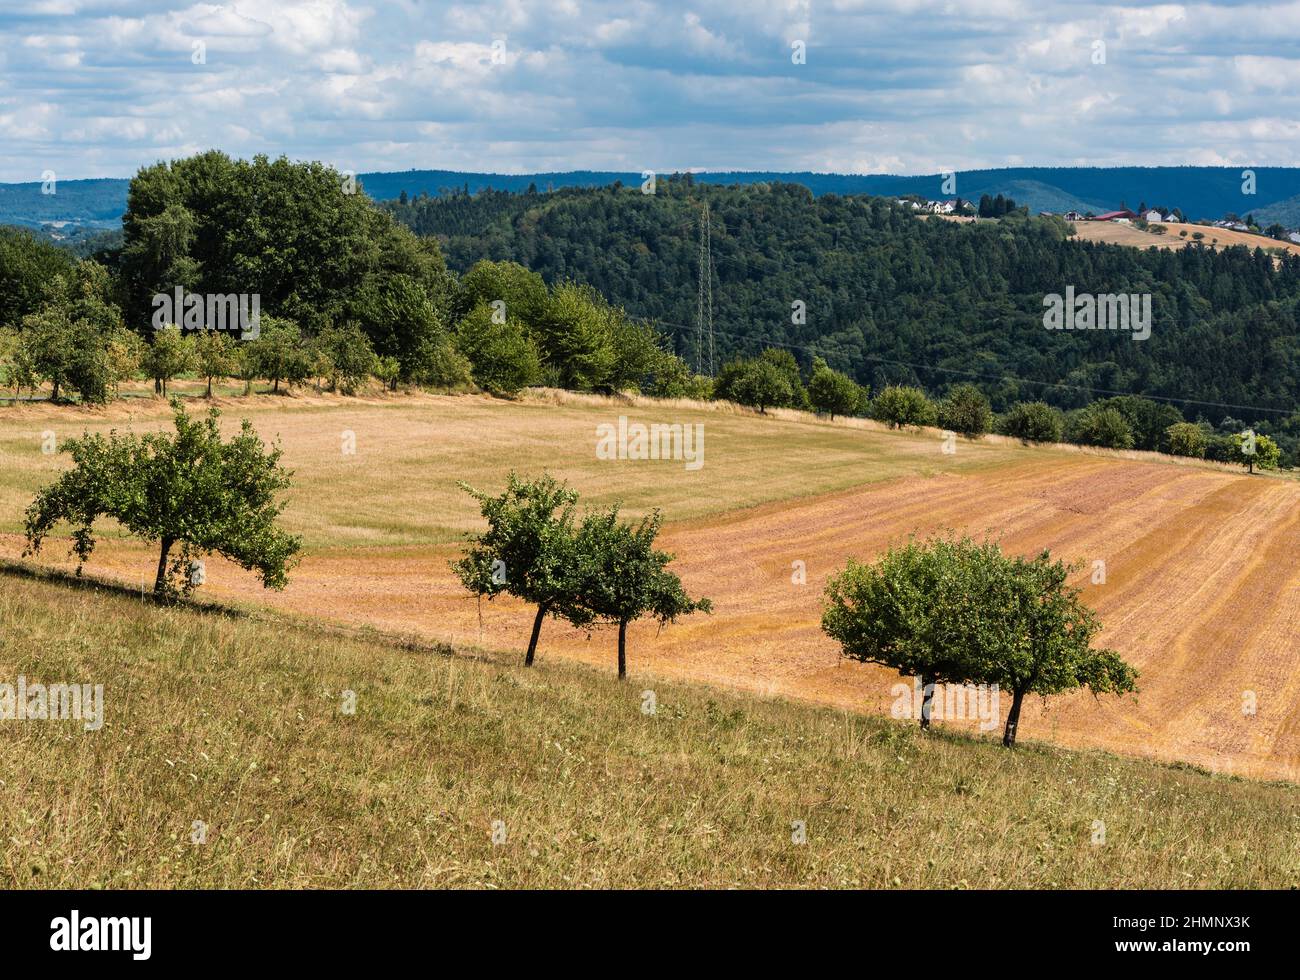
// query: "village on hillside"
[[1147, 218]]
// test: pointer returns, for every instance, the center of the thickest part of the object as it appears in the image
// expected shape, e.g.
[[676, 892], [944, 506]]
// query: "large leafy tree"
[[900, 405], [504, 358], [1033, 422], [959, 611], [528, 550], [576, 333], [625, 577], [916, 610], [966, 410], [302, 236], [756, 384], [193, 489], [522, 292]]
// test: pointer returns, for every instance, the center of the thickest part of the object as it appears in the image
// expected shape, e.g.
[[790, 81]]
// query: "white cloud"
[[896, 85]]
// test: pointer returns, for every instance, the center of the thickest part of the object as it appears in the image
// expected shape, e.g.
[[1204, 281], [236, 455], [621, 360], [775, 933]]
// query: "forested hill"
[[893, 297]]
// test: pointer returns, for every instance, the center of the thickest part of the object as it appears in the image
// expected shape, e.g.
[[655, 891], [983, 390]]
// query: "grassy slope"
[[237, 722]]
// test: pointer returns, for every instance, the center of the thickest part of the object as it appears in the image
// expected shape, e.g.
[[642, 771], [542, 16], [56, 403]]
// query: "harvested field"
[[1201, 591], [1117, 234]]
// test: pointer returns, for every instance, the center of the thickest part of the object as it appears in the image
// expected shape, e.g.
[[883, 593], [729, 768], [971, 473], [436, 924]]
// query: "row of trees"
[[1121, 422], [774, 379], [598, 569], [957, 611]]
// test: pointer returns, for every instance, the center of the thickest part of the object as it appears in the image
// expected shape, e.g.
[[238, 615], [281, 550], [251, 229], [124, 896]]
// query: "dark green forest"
[[893, 298]]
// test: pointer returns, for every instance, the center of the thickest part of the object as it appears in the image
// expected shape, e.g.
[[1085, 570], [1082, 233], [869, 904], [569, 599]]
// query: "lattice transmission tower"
[[704, 299]]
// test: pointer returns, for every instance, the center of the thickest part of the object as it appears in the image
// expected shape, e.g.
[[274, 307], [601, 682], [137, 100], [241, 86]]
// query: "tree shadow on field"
[[94, 583]]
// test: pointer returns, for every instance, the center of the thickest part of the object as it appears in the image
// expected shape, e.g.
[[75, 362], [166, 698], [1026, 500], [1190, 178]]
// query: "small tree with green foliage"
[[76, 339], [1186, 439], [278, 353], [389, 371], [1033, 422], [214, 356], [437, 363], [966, 410], [193, 489], [529, 550], [834, 393], [957, 611], [625, 577], [170, 354], [1100, 425], [1251, 449], [1043, 643], [349, 356], [761, 384], [900, 405], [503, 359], [575, 331], [916, 610]]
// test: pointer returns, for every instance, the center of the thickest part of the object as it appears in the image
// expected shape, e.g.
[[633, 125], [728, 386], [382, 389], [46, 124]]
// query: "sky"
[[93, 88]]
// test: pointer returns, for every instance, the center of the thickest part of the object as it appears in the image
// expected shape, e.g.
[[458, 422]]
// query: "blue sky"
[[98, 88]]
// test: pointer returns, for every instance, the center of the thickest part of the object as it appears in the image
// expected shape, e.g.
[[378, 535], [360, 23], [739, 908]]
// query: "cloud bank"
[[99, 88]]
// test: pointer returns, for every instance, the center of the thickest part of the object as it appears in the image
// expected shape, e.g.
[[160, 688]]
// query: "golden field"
[[1201, 591]]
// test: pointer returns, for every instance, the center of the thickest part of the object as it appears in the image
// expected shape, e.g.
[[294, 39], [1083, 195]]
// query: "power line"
[[973, 374]]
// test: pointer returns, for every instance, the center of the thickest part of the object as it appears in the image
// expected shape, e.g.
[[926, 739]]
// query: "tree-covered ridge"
[[893, 298]]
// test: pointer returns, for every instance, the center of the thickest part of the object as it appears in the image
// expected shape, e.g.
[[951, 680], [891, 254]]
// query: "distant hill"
[[86, 203], [1285, 213], [1201, 192]]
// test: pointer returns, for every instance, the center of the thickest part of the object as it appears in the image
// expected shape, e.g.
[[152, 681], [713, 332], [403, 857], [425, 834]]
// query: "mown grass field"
[[237, 721]]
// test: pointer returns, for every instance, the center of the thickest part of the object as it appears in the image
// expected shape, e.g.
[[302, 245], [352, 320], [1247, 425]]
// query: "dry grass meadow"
[[237, 721], [233, 717]]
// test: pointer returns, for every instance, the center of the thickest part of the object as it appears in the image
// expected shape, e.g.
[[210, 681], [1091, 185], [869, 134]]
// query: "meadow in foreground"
[[240, 722]]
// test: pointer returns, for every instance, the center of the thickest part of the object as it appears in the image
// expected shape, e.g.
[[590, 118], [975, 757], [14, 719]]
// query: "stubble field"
[[1201, 583]]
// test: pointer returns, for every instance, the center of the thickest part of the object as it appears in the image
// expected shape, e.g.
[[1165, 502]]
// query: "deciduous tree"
[[192, 489]]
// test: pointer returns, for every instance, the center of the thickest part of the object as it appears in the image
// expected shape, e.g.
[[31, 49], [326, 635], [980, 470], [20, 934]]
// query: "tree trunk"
[[55, 396], [275, 389], [209, 387], [157, 387], [160, 582], [622, 649], [927, 699], [1013, 719], [532, 641]]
